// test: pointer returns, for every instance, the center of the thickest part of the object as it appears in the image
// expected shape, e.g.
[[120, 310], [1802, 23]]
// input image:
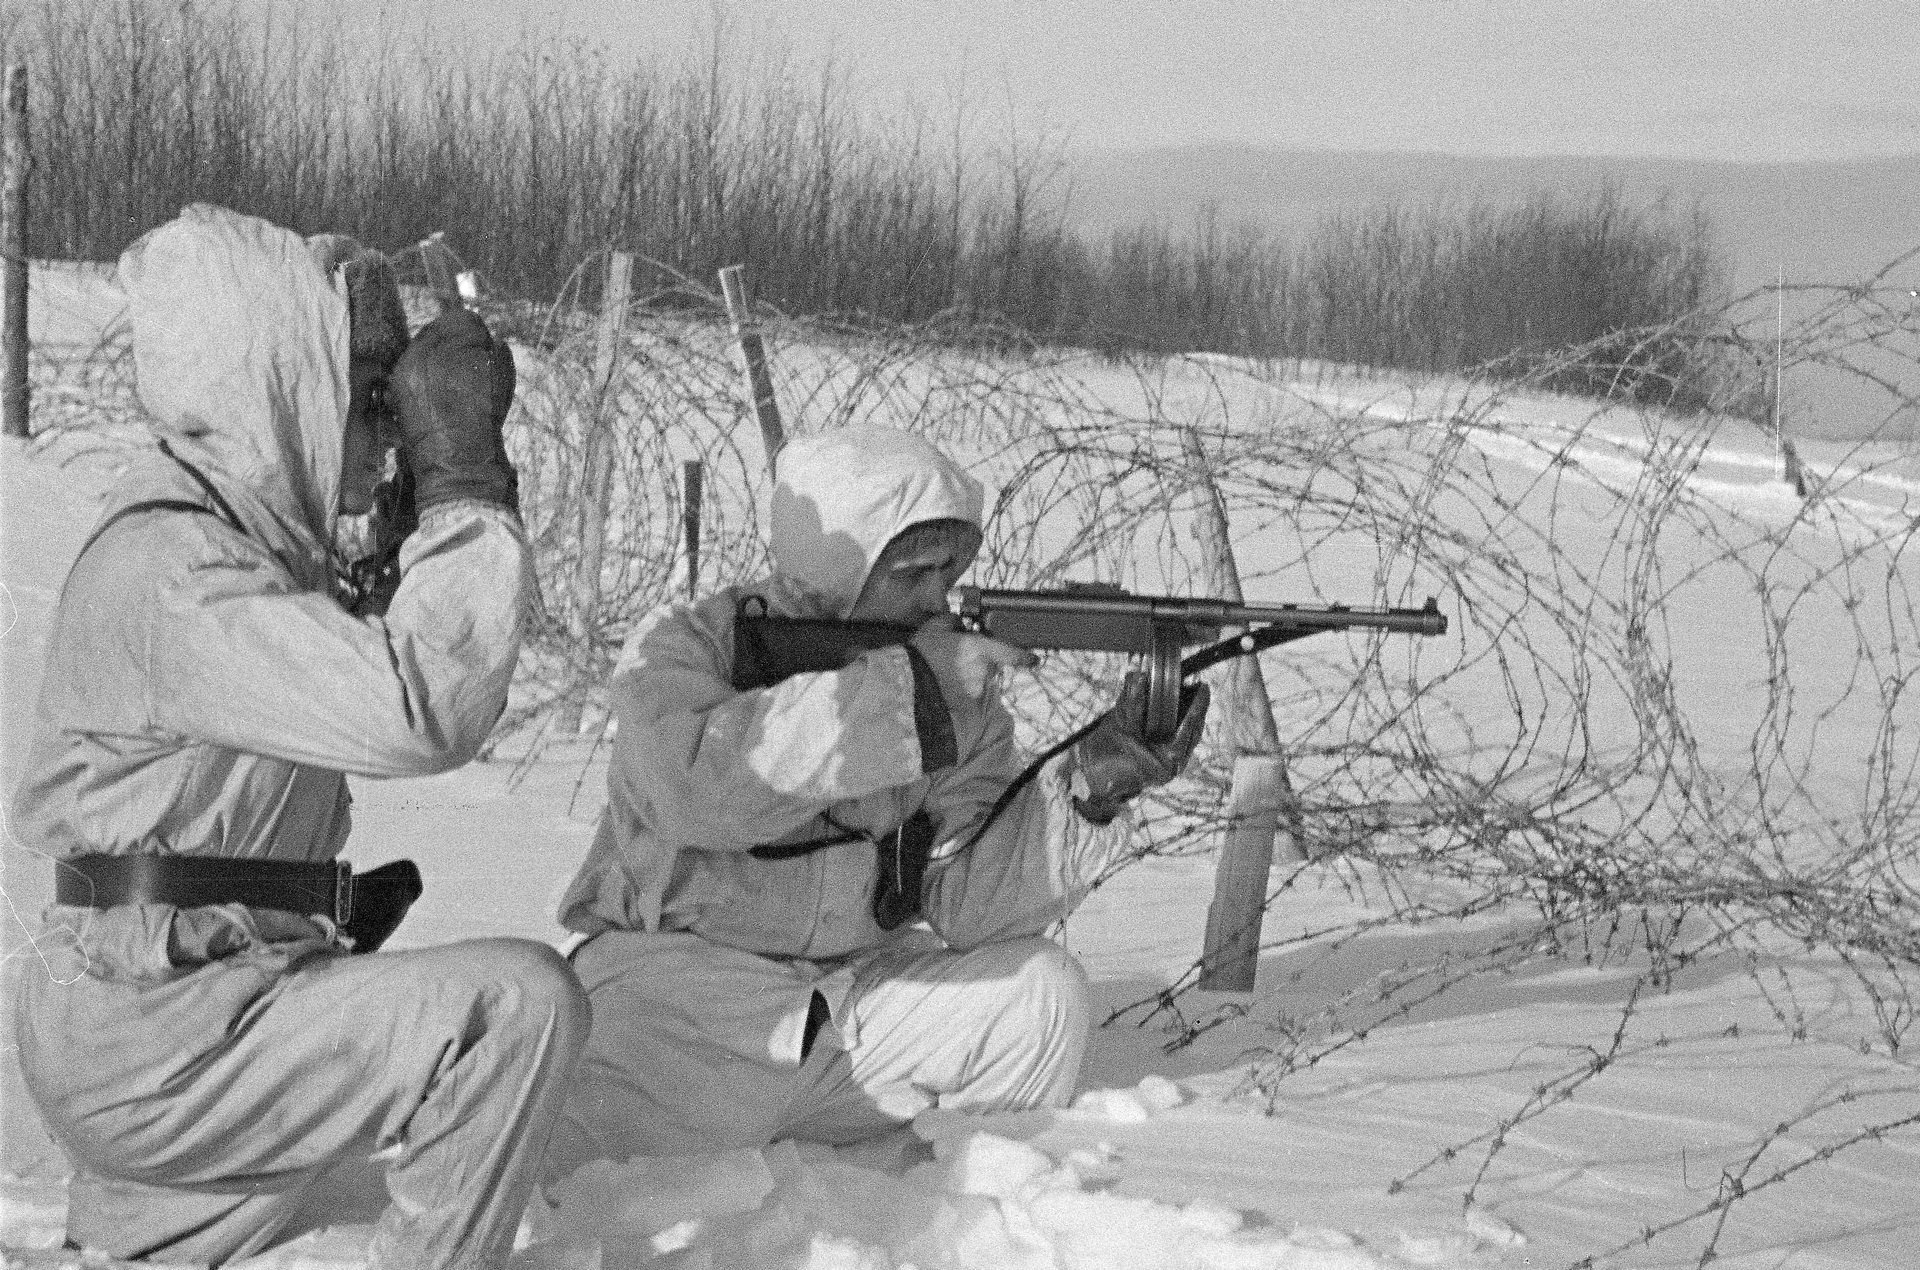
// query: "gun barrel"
[[1425, 620], [1109, 619]]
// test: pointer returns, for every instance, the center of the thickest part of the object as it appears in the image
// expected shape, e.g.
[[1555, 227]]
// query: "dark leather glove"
[[1115, 763], [450, 392]]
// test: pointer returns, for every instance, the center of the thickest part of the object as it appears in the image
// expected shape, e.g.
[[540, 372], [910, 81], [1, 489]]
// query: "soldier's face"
[[910, 581]]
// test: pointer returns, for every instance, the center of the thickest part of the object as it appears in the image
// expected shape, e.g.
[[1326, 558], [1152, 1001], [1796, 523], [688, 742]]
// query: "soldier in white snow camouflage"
[[203, 1044], [755, 964]]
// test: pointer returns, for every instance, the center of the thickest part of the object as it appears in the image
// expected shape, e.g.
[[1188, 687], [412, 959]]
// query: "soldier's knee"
[[535, 983], [1052, 984]]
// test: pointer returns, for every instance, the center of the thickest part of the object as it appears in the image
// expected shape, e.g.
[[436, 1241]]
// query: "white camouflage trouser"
[[695, 1046], [199, 1109]]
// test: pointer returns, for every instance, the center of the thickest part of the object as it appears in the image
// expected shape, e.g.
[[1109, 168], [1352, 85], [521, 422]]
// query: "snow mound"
[[984, 1202], [33, 1212], [1132, 1106]]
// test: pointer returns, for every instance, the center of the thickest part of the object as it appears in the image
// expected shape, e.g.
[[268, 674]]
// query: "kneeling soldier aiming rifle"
[[816, 899]]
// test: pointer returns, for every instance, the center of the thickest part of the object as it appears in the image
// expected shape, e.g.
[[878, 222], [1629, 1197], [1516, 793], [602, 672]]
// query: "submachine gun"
[[1086, 616]]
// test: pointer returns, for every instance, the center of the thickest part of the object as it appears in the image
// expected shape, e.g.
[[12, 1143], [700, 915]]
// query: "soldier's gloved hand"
[[966, 664], [450, 392], [1115, 763]]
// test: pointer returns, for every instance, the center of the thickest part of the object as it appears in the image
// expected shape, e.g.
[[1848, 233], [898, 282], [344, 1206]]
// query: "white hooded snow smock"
[[204, 691], [701, 773]]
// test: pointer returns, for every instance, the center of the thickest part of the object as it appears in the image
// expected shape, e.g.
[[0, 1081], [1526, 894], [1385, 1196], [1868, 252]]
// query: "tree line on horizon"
[[537, 160]]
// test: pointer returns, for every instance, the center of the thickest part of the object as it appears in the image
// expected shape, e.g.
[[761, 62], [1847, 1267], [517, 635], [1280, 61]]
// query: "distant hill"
[[1834, 222], [1825, 222]]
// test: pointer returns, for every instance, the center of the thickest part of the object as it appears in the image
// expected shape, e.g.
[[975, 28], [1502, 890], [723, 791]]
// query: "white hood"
[[240, 339], [840, 497]]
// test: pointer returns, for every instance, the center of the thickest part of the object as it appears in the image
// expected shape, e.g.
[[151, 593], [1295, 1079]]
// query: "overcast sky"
[[1752, 79]]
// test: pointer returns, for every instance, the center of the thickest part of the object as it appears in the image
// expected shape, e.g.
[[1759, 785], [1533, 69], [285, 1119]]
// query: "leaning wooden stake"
[[753, 352], [13, 249], [1234, 918], [1262, 805], [596, 485], [690, 483]]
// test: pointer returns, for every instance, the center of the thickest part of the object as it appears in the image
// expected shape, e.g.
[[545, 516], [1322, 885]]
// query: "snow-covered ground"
[[1374, 1154]]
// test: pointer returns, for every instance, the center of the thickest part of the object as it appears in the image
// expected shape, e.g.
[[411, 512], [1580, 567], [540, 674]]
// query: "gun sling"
[[367, 907], [904, 854]]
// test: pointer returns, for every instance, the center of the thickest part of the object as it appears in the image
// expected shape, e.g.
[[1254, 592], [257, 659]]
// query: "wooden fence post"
[[1262, 805], [13, 249], [690, 493], [596, 485], [753, 353]]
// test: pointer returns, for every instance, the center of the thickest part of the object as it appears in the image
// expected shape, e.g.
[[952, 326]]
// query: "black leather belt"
[[192, 881]]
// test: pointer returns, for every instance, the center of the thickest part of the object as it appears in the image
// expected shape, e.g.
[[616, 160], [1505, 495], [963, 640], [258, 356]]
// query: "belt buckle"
[[342, 892]]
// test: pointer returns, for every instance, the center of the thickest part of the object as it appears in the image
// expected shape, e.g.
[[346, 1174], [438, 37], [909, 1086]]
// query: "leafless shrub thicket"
[[1433, 289], [533, 160]]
